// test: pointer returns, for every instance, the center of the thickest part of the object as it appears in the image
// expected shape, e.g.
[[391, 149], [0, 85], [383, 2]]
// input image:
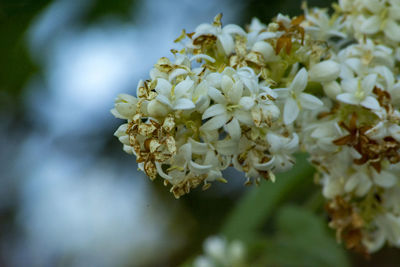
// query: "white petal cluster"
[[219, 252], [249, 99], [378, 18]]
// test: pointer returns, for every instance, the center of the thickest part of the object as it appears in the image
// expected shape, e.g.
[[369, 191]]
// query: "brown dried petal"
[[146, 129], [170, 143], [150, 170], [169, 124]]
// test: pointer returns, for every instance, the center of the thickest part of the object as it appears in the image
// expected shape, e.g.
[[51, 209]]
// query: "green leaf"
[[253, 210], [303, 240]]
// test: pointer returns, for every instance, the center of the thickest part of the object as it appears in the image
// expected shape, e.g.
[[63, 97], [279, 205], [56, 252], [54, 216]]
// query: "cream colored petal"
[[325, 71], [198, 147], [236, 92], [370, 25], [370, 103], [308, 101], [385, 179], [216, 95], [175, 73], [244, 117], [226, 84], [290, 111], [227, 147], [247, 102], [392, 30], [233, 29], [214, 110], [300, 81], [183, 104], [163, 87], [347, 98], [233, 129], [183, 87], [198, 168], [215, 123], [227, 43]]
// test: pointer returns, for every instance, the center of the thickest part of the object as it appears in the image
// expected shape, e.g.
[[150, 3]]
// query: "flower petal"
[[347, 98], [384, 179], [216, 95], [244, 117], [368, 83], [163, 87], [198, 147], [226, 42], [311, 102], [236, 92], [246, 102], [183, 87], [183, 104], [300, 81], [214, 110], [227, 147], [233, 29], [370, 25], [163, 99], [290, 111], [175, 73], [233, 128], [199, 169], [371, 103], [215, 123], [392, 30]]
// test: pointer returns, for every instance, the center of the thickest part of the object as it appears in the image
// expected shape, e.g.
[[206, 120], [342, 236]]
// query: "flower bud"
[[265, 49], [325, 71], [332, 89]]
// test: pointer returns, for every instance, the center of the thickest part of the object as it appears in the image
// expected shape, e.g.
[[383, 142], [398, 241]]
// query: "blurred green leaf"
[[16, 64], [253, 210], [303, 239]]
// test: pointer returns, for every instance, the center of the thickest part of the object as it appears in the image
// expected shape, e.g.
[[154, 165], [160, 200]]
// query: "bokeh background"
[[69, 195]]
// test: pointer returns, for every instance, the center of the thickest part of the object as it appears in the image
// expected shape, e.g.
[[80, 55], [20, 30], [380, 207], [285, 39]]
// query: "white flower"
[[227, 110], [176, 97], [219, 252], [125, 106], [181, 163], [282, 149], [384, 17], [223, 34], [390, 225], [295, 99], [359, 92], [364, 177], [321, 26]]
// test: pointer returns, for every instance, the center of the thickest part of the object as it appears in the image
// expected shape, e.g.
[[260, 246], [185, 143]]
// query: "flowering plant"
[[326, 84]]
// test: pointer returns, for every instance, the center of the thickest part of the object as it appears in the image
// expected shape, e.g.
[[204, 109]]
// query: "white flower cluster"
[[251, 98], [219, 252]]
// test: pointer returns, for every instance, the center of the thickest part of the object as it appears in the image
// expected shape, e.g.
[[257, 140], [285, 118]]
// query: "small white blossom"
[[295, 99]]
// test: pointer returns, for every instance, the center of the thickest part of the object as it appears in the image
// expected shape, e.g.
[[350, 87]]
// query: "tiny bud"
[[265, 49], [332, 89], [325, 71]]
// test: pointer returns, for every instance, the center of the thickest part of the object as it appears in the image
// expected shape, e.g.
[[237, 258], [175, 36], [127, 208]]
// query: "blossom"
[[223, 34], [295, 99], [359, 92], [235, 98], [176, 97]]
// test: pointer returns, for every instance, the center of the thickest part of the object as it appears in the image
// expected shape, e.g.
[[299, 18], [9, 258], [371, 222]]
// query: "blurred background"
[[69, 195]]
